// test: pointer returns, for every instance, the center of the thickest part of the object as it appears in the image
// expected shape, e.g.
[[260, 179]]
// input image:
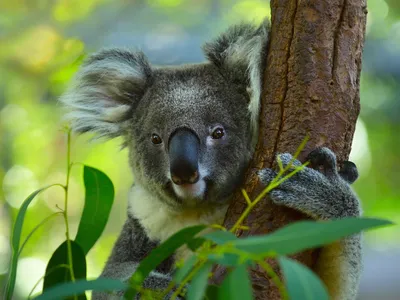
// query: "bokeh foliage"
[[42, 43]]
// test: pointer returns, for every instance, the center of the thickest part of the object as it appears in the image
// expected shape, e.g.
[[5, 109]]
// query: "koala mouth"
[[189, 193]]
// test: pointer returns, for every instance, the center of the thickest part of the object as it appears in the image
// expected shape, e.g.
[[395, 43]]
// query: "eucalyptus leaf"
[[198, 285], [182, 272], [303, 235], [16, 239], [227, 259], [220, 236], [237, 285], [195, 243], [211, 292], [99, 198], [55, 275], [301, 282], [80, 286], [159, 254]]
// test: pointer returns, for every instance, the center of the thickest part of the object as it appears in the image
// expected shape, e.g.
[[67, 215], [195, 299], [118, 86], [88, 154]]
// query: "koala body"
[[191, 131]]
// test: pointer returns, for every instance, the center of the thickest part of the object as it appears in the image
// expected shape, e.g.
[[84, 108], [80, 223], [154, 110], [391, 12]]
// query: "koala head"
[[190, 130]]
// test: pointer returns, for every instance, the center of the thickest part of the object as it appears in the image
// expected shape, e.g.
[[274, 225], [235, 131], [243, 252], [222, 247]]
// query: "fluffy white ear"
[[241, 53], [105, 91]]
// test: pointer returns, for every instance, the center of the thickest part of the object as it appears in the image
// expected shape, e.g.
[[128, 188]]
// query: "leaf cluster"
[[66, 276]]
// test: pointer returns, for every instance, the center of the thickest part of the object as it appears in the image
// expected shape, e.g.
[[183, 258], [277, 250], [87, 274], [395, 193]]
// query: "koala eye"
[[218, 133], [155, 139]]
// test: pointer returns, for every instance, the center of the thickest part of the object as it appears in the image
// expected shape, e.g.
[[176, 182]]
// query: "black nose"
[[183, 156]]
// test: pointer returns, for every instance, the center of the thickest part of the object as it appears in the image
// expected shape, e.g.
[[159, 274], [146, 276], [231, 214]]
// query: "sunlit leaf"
[[250, 10], [236, 285], [182, 272], [36, 228], [306, 234], [199, 282], [159, 254], [301, 282], [57, 275], [36, 47], [72, 10], [64, 74], [99, 198], [16, 239], [165, 3], [220, 237], [80, 286], [227, 259]]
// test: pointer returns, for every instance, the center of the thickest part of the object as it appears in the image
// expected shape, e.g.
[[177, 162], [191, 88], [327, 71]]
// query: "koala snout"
[[183, 150]]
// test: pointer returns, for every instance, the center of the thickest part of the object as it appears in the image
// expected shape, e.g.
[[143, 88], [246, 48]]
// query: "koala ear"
[[241, 53], [105, 91]]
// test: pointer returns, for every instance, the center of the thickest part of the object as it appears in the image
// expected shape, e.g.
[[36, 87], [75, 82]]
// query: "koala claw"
[[349, 172], [287, 158], [321, 194], [266, 176], [323, 157]]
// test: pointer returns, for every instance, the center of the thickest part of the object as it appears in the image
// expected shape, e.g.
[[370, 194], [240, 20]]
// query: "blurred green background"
[[42, 43]]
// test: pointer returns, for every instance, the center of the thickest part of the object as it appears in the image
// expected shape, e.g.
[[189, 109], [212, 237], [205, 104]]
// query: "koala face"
[[190, 130], [190, 136]]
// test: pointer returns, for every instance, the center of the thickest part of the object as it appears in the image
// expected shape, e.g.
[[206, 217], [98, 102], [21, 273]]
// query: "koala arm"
[[325, 195], [131, 247]]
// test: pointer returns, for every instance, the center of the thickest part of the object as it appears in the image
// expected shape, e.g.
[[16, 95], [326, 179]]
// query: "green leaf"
[[99, 198], [80, 286], [226, 259], [211, 292], [301, 282], [195, 243], [237, 285], [229, 259], [303, 235], [199, 282], [159, 254], [182, 272], [220, 236], [16, 239], [55, 274]]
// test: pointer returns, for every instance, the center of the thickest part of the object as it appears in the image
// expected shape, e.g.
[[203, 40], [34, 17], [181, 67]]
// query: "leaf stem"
[[274, 183], [15, 240], [246, 196], [217, 226], [274, 277], [168, 289], [189, 277], [66, 189], [45, 275], [36, 228]]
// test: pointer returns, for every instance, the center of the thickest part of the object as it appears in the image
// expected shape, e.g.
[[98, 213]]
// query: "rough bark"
[[311, 87]]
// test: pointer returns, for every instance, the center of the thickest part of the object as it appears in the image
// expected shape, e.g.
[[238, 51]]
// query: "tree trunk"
[[311, 88]]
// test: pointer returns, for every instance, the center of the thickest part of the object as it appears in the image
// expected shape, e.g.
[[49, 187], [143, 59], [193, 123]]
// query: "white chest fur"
[[160, 221]]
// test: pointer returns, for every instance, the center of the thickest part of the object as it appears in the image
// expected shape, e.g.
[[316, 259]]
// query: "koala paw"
[[323, 193], [349, 172], [324, 160]]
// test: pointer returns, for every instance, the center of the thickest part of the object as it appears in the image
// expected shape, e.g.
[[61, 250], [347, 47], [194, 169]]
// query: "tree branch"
[[311, 88]]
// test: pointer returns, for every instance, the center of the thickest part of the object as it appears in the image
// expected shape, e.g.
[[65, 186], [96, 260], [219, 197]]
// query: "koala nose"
[[183, 149]]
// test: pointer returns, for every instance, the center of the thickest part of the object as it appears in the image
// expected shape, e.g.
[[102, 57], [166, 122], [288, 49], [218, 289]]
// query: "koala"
[[191, 131]]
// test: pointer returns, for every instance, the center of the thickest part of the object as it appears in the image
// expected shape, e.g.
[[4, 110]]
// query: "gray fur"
[[325, 195], [118, 93], [105, 90], [242, 49], [131, 247]]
